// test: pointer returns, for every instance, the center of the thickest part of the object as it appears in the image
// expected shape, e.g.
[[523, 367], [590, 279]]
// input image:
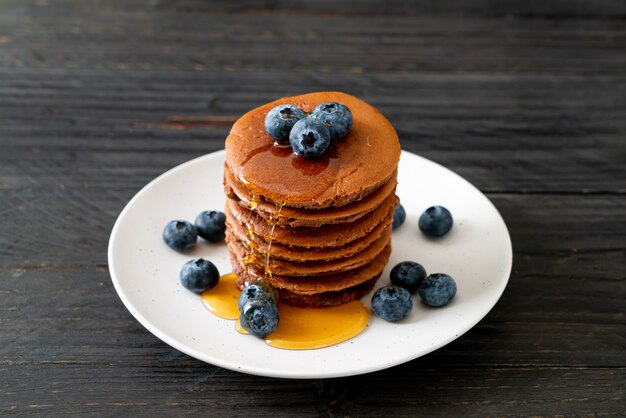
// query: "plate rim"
[[268, 371]]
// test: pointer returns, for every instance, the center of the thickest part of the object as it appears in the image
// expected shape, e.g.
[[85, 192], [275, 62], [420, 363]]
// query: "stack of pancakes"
[[318, 230]]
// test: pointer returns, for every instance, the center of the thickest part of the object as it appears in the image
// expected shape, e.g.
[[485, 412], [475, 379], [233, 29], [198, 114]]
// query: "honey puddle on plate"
[[298, 328], [222, 299]]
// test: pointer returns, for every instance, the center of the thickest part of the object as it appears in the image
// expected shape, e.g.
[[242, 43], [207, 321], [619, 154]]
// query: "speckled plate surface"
[[477, 253]]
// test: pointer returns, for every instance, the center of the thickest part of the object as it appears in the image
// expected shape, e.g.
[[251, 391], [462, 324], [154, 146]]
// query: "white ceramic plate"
[[476, 252]]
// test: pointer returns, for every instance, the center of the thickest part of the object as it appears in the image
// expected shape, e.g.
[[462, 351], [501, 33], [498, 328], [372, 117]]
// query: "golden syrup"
[[310, 328], [268, 271], [298, 328], [248, 263], [299, 176], [250, 232], [272, 222], [222, 299], [249, 260], [252, 246], [252, 201]]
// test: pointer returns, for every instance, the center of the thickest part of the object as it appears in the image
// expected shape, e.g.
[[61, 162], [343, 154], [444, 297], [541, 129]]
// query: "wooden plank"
[[175, 389], [508, 8], [418, 388], [346, 8], [74, 38]]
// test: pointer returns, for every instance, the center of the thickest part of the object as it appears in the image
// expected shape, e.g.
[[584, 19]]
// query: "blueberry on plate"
[[399, 215], [211, 225], [180, 235], [309, 138], [437, 289], [199, 275], [392, 303], [280, 120], [259, 317], [336, 117], [408, 274], [260, 289], [436, 221]]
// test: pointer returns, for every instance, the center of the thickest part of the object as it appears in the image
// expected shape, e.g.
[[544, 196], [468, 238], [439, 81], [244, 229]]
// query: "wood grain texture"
[[524, 99], [158, 38], [562, 9]]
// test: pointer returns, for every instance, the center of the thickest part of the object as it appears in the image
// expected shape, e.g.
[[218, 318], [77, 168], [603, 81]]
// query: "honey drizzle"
[[272, 222], [250, 231], [251, 258], [253, 204]]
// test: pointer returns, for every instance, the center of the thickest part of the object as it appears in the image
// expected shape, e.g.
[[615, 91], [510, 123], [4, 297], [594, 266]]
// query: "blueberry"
[[180, 235], [199, 275], [337, 117], [260, 289], [309, 138], [437, 289], [280, 120], [259, 317], [399, 215], [408, 274], [435, 221], [392, 303], [211, 225]]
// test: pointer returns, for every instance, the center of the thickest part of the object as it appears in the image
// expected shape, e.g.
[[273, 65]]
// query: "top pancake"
[[352, 167]]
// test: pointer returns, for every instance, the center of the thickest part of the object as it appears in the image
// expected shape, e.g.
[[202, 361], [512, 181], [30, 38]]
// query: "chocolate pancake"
[[322, 236], [307, 268], [294, 253], [353, 166], [321, 291], [319, 230], [295, 217]]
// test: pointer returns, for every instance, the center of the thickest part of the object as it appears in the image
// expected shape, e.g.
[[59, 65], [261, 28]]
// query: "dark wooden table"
[[527, 100]]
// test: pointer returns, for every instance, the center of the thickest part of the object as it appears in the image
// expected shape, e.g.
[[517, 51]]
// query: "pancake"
[[329, 298], [319, 230], [326, 291], [321, 236], [353, 166], [285, 252], [294, 217], [306, 268]]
